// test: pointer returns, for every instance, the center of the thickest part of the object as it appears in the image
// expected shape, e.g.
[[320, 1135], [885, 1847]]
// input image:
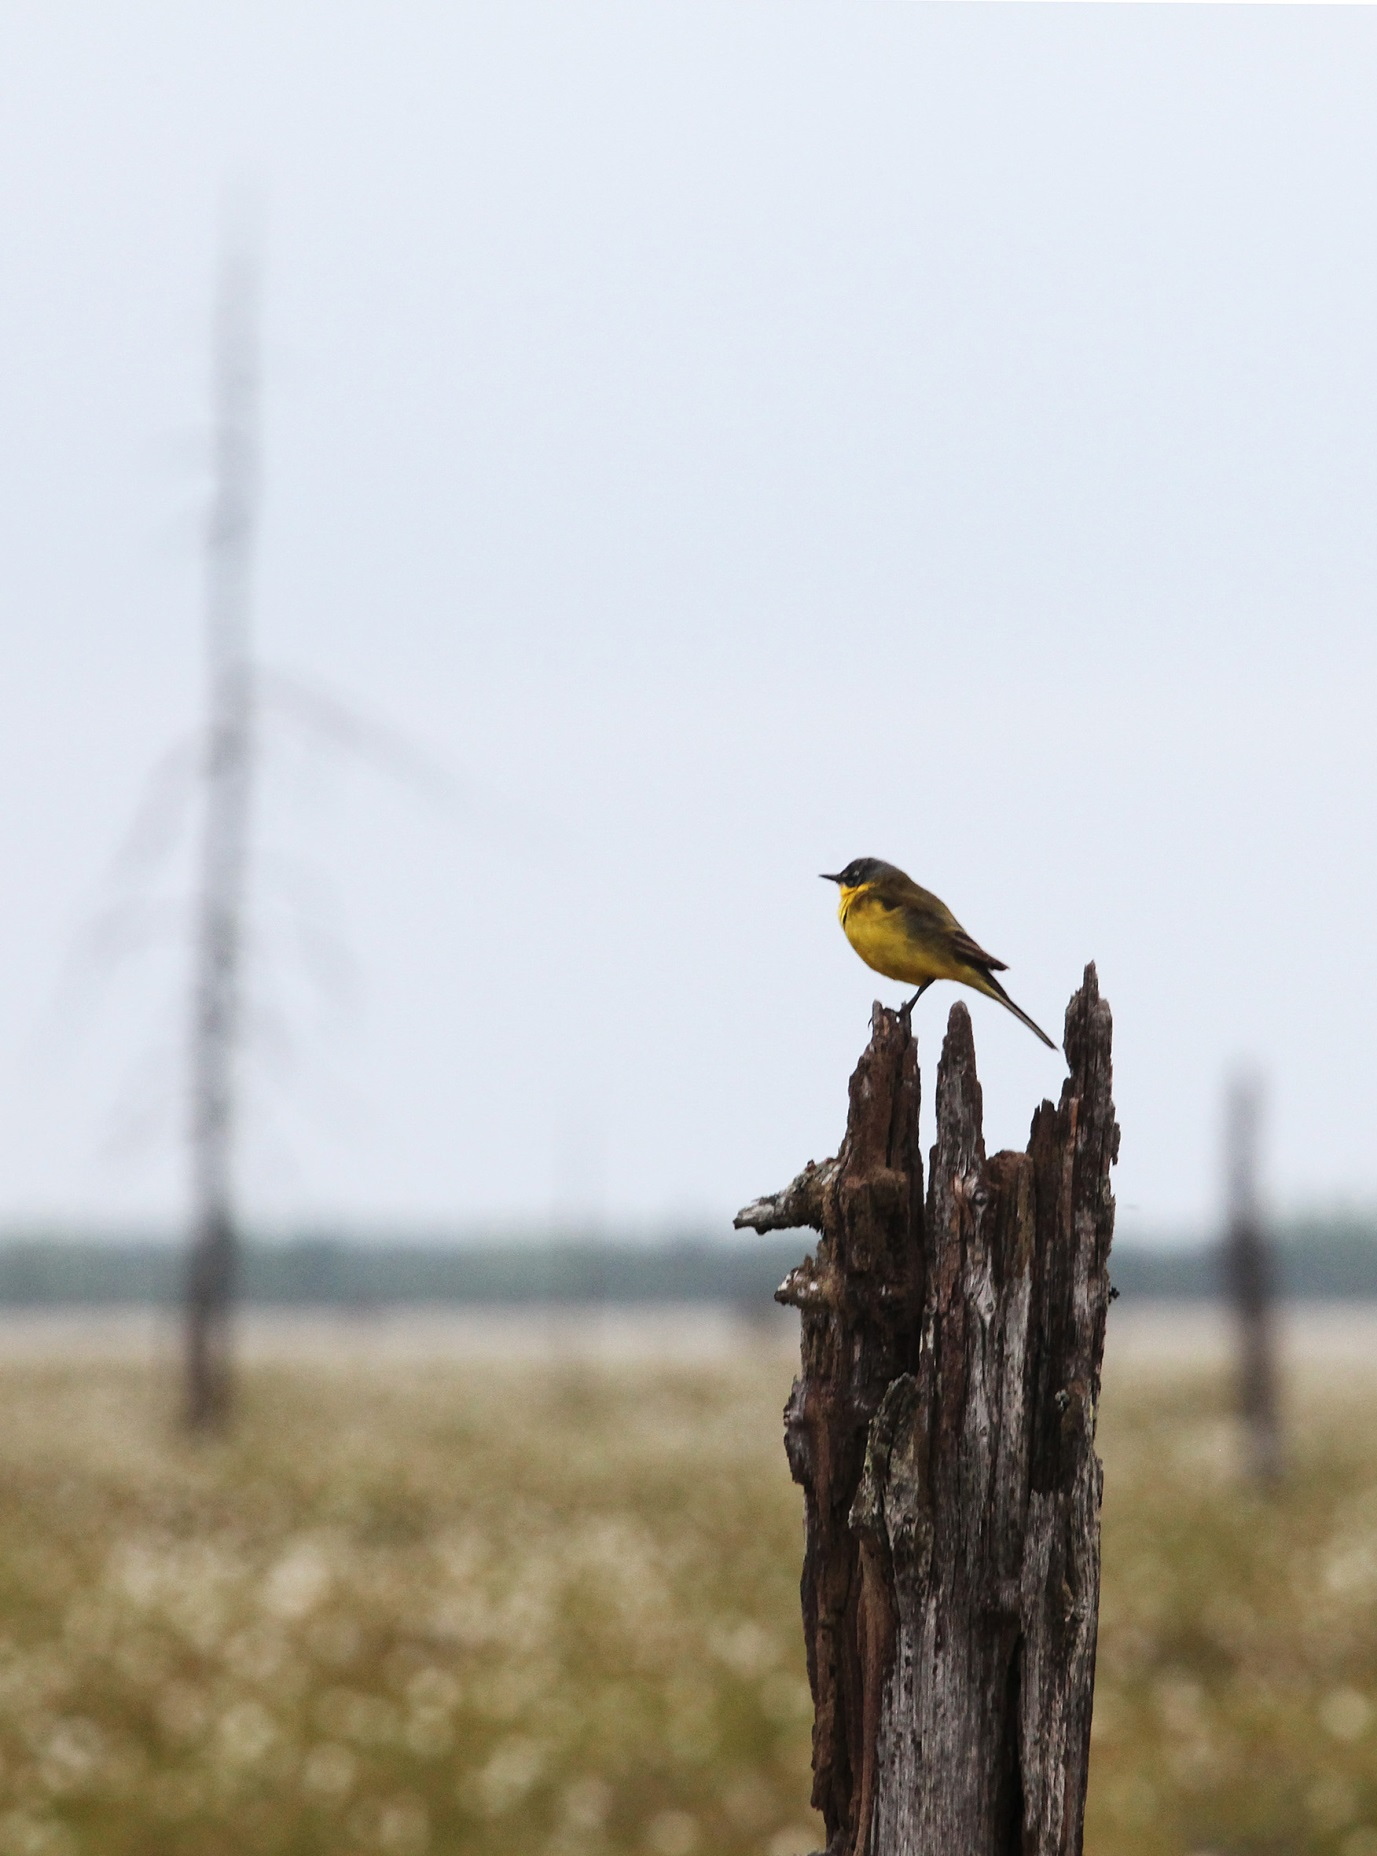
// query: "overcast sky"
[[732, 439]]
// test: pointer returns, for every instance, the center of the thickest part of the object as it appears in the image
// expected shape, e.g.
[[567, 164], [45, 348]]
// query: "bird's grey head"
[[860, 870]]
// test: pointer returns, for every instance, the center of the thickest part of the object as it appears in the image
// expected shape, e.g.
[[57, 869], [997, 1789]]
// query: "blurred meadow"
[[530, 1588], [643, 457]]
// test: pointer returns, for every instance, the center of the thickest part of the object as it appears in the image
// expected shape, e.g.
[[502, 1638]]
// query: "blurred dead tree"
[[1249, 1272], [942, 1427], [219, 927], [246, 702]]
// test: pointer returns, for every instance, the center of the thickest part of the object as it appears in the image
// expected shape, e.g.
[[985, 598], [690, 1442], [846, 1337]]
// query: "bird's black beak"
[[828, 879]]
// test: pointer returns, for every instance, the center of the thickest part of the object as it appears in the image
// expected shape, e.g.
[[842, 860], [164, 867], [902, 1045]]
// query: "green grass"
[[414, 1608]]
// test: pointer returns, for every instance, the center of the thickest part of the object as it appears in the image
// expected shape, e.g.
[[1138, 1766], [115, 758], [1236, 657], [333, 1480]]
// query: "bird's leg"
[[906, 1010]]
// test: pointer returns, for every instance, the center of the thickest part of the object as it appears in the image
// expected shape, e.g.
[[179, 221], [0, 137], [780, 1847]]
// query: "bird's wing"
[[926, 915], [975, 953]]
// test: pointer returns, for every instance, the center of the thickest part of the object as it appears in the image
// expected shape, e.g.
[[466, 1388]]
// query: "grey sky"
[[734, 439]]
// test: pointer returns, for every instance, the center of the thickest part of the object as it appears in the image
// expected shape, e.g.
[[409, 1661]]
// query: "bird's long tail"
[[990, 985]]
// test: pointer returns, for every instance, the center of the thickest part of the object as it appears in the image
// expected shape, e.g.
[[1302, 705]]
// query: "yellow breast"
[[885, 940]]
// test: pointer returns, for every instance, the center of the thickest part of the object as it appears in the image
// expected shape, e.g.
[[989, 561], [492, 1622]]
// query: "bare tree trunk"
[[219, 938], [942, 1428], [1248, 1267]]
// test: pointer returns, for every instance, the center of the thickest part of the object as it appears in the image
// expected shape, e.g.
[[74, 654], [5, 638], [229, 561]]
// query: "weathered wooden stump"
[[942, 1428]]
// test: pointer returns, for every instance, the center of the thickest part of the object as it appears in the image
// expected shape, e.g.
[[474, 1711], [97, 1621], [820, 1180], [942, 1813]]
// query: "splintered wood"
[[942, 1429]]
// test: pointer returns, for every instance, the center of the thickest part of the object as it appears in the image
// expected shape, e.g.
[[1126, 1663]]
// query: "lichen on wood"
[[942, 1429]]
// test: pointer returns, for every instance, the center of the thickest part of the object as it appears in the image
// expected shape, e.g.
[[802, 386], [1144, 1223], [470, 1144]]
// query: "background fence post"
[[1249, 1274], [942, 1428]]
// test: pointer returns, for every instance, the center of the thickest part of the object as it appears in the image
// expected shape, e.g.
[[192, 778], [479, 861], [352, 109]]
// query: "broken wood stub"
[[942, 1427]]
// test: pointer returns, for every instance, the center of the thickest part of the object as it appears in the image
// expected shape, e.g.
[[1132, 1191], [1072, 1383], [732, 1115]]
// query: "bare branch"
[[327, 716], [799, 1204]]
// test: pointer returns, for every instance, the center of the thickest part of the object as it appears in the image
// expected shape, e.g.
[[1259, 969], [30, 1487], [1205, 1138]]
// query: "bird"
[[907, 934]]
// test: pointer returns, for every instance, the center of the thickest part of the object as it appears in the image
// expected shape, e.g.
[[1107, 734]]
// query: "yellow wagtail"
[[905, 933]]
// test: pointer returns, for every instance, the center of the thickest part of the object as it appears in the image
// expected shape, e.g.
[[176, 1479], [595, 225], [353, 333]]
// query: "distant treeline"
[[322, 1271], [1332, 1260]]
